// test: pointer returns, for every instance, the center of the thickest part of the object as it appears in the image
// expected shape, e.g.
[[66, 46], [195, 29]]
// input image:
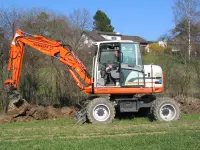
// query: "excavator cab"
[[118, 64]]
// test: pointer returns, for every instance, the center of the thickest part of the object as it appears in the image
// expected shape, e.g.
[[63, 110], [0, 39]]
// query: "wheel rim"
[[167, 112], [101, 112]]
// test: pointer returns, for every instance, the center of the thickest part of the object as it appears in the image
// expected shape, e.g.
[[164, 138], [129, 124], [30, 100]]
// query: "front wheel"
[[165, 109], [100, 110]]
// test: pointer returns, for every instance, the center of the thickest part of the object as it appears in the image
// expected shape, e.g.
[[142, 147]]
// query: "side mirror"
[[121, 57]]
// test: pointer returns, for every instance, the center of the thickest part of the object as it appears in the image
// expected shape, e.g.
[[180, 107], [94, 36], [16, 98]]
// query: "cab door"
[[131, 69]]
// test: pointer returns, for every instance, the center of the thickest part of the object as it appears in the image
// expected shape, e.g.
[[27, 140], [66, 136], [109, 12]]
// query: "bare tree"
[[3, 66], [80, 20], [9, 20], [189, 11]]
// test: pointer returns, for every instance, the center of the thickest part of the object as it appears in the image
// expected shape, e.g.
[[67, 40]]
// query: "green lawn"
[[138, 133]]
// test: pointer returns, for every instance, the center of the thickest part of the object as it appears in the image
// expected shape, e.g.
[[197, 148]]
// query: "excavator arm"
[[48, 47]]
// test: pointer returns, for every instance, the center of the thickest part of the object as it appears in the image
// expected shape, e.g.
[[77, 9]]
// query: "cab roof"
[[115, 41]]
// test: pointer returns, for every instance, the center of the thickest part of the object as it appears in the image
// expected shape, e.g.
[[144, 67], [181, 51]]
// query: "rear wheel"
[[100, 110], [165, 109]]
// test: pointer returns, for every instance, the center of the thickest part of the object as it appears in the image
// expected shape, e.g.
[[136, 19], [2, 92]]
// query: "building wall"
[[86, 40]]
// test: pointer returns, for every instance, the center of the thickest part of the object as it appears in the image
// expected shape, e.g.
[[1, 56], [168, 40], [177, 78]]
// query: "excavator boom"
[[48, 47]]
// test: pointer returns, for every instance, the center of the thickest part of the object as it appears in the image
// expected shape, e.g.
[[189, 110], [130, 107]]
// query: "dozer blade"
[[81, 115]]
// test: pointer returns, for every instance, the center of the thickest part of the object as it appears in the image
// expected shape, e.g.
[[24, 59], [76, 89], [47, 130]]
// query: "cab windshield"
[[131, 54]]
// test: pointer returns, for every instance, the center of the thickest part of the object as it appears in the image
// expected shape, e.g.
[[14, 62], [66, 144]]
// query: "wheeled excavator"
[[119, 78]]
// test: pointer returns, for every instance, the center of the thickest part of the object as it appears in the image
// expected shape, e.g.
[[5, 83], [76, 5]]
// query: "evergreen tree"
[[102, 22]]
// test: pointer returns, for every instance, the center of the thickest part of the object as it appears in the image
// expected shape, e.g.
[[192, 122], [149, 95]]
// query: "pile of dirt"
[[24, 112], [189, 106]]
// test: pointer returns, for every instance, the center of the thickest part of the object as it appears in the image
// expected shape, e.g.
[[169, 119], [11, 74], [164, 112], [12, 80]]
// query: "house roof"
[[134, 38], [115, 41], [96, 35], [109, 33]]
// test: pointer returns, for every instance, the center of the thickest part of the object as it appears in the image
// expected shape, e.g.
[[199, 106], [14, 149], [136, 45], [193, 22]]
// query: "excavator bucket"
[[16, 106]]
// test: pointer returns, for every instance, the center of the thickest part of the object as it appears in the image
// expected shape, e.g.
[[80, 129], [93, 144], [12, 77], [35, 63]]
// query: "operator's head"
[[116, 53]]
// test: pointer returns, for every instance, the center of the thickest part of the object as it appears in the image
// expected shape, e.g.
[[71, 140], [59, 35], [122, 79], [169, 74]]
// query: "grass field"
[[138, 133]]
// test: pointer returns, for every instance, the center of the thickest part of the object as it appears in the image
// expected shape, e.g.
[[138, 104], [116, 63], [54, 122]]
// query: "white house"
[[88, 37]]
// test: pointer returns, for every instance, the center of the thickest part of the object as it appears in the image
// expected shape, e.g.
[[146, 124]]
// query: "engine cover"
[[153, 76]]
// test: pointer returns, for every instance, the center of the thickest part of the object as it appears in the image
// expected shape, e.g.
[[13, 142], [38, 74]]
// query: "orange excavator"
[[118, 73]]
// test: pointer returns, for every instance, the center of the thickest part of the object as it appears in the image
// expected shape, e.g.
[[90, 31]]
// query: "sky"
[[148, 19]]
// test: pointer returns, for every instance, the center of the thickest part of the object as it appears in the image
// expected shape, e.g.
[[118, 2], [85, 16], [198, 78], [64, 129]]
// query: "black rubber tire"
[[91, 105], [158, 103]]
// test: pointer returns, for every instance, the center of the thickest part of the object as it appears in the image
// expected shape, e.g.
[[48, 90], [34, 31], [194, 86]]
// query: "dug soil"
[[189, 106], [28, 112]]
